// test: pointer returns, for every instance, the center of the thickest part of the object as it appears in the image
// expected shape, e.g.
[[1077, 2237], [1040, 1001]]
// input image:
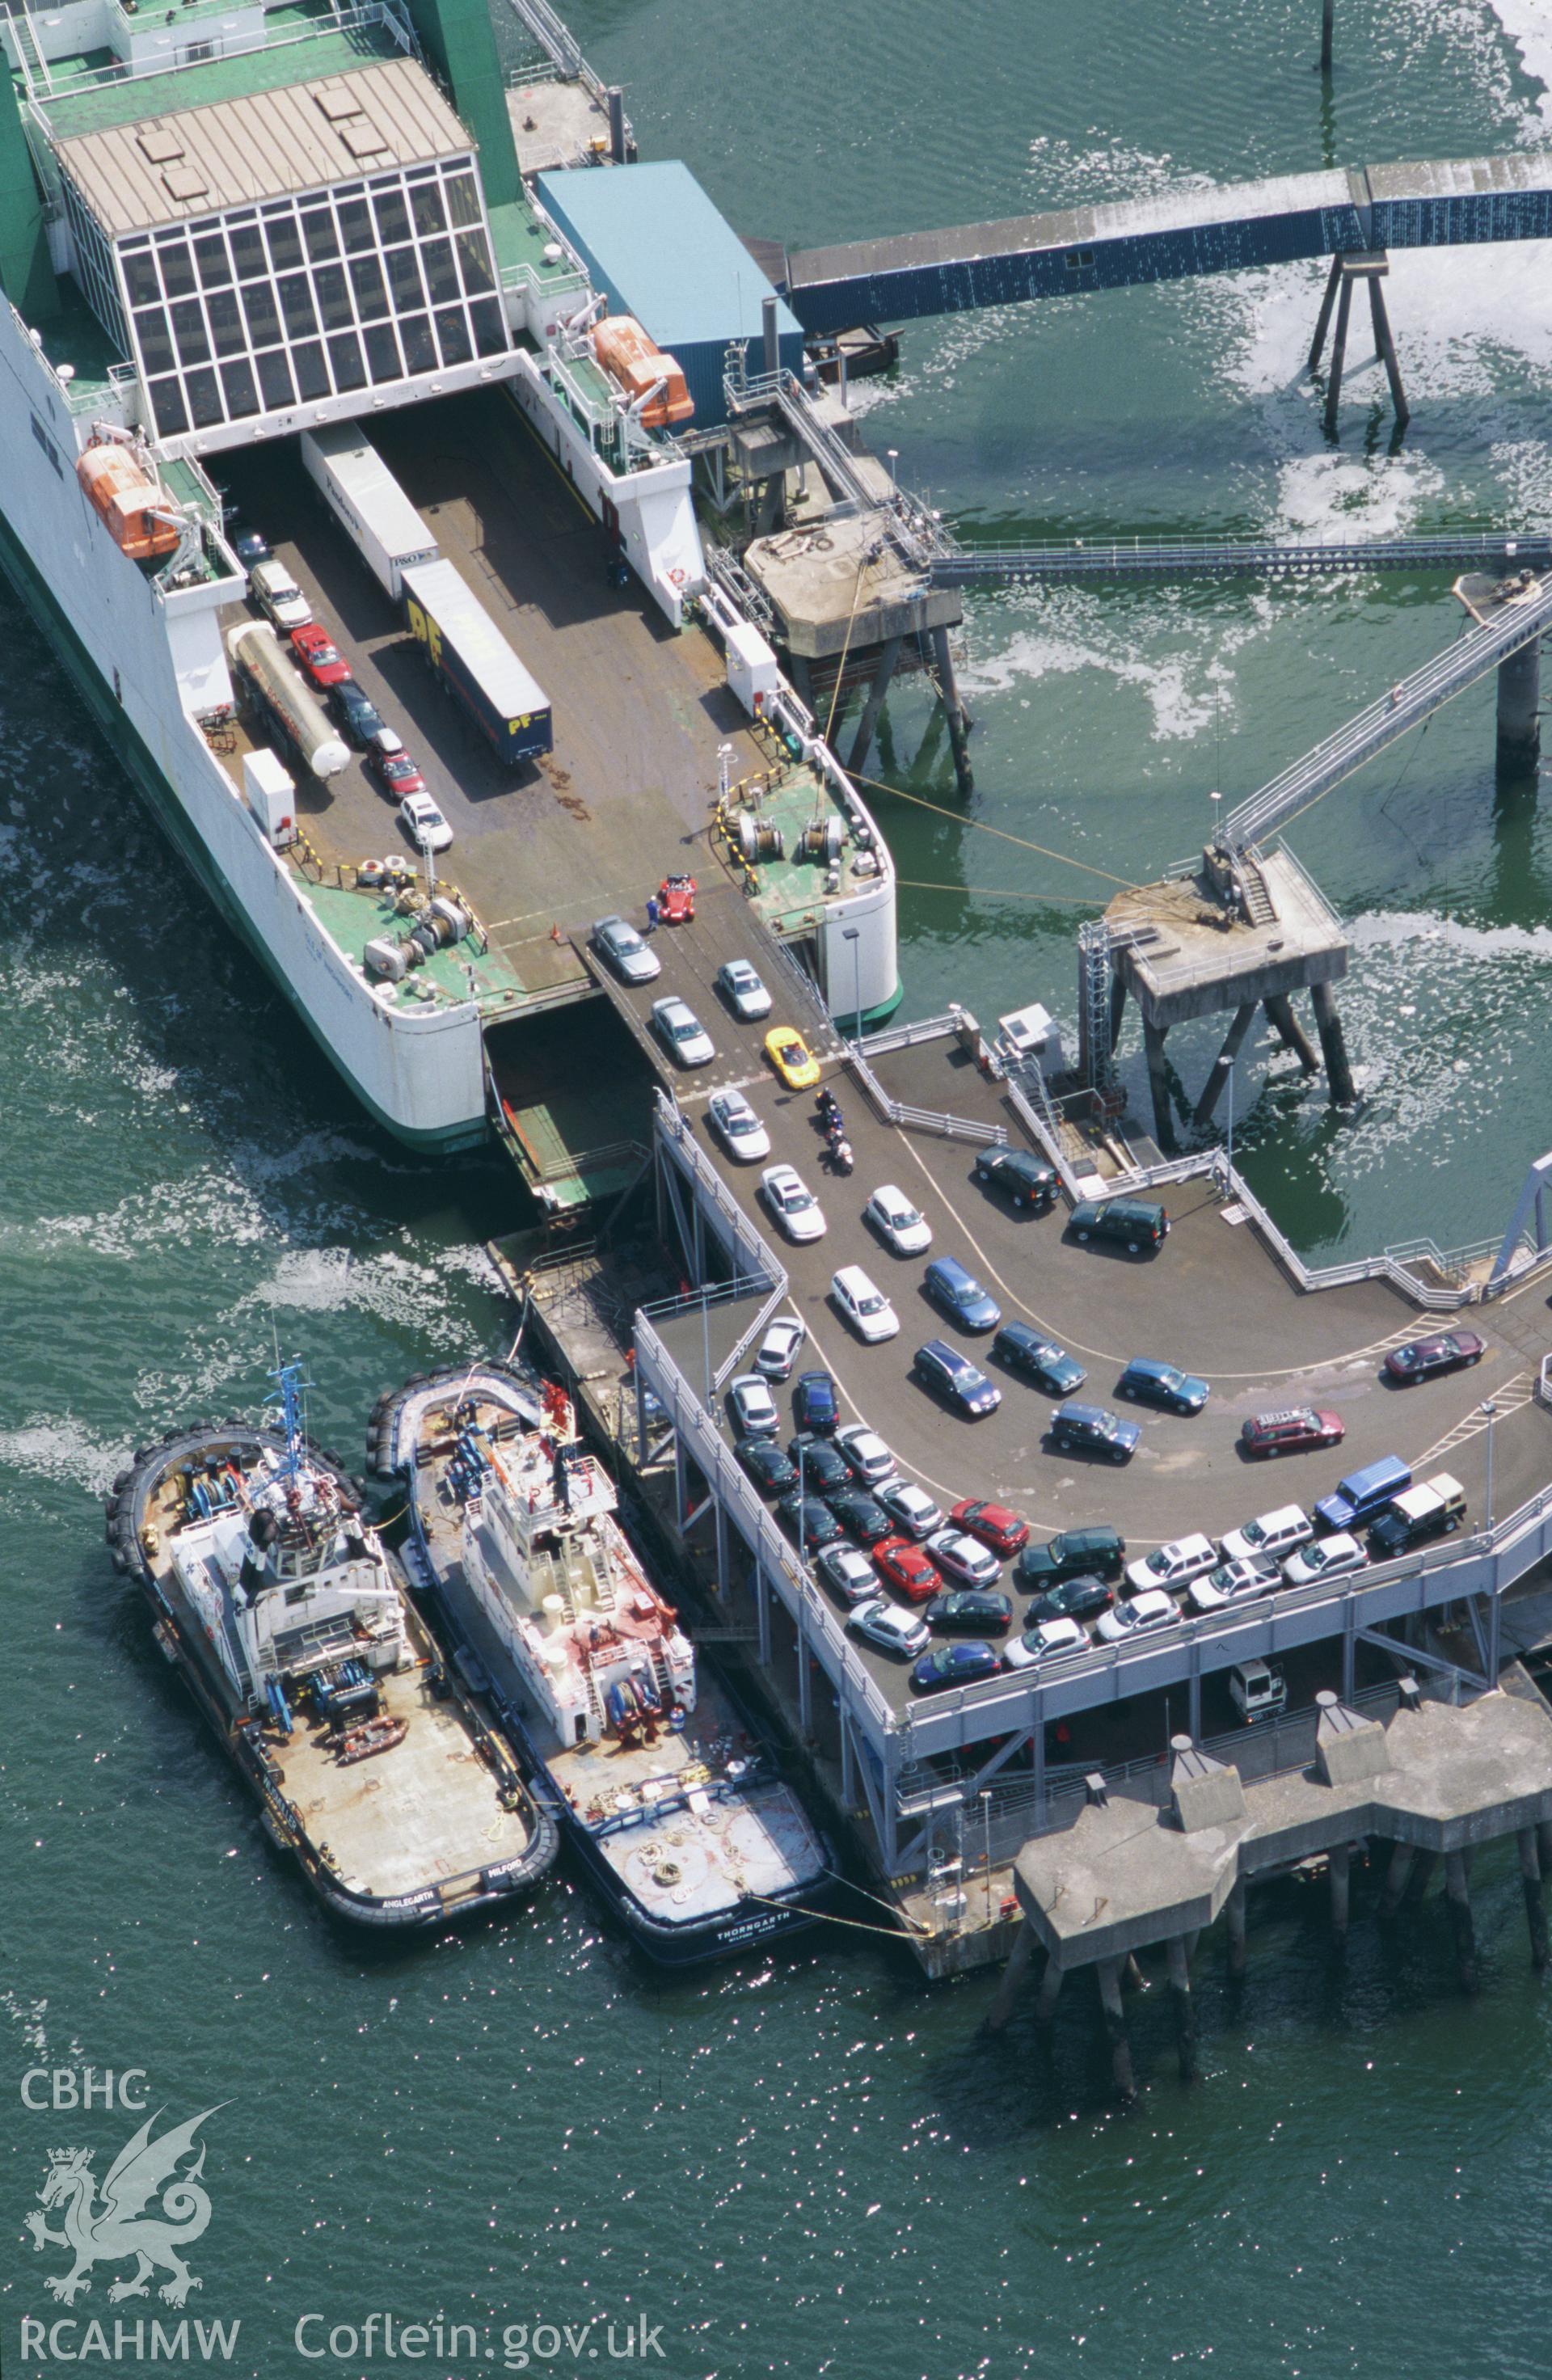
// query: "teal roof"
[[652, 239]]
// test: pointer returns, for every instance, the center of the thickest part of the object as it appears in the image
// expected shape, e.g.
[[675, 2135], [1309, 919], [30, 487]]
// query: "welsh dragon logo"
[[111, 2230]]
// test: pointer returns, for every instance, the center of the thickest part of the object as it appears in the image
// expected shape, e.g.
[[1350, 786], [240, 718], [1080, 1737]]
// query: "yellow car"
[[792, 1058]]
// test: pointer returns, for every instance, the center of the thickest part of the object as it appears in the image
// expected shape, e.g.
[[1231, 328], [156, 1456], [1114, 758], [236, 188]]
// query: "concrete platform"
[[1195, 956]]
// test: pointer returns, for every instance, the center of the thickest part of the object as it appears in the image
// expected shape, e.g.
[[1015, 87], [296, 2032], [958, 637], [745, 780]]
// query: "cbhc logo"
[[81, 2086]]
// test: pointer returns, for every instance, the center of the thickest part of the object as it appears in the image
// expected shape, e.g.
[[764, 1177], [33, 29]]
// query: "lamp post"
[[1214, 804], [986, 1836], [853, 934], [1489, 1410]]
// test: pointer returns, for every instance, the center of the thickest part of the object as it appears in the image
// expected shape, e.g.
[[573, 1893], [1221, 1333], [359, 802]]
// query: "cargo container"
[[270, 795], [475, 662], [274, 685], [368, 501]]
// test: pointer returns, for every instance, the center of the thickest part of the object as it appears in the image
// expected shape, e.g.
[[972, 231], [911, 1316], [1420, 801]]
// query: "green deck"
[[520, 239], [356, 917], [297, 54]]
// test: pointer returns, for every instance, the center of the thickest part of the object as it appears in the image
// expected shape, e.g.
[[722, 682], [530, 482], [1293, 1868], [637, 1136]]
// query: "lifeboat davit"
[[127, 502], [629, 357]]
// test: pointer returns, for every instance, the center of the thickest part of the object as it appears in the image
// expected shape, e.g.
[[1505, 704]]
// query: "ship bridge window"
[[296, 304], [226, 327], [215, 266], [167, 405], [426, 207], [139, 278], [275, 380], [436, 257], [355, 224], [366, 279], [156, 335], [322, 240], [285, 243], [393, 218], [247, 251], [177, 270], [188, 329]]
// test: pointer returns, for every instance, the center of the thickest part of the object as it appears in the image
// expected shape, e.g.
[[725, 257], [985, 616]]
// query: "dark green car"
[[1100, 1551]]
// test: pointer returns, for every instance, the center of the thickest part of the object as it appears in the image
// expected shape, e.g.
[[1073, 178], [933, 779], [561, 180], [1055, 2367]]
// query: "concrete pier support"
[[1234, 1910], [1519, 746], [1118, 1005], [1339, 350], [1132, 1975], [862, 743], [1180, 2001], [1338, 1865], [1535, 1905], [1457, 1883], [1158, 1082], [954, 710], [1420, 1879], [1338, 1074], [1328, 31], [1223, 1064], [1397, 1877], [1013, 1975], [1048, 1996], [1109, 1971], [1385, 348], [1291, 1033]]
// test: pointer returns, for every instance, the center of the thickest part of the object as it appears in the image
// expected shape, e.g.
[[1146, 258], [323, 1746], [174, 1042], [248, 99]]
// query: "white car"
[[777, 1352], [743, 990], [617, 941], [892, 1629], [428, 829], [900, 1225], [1329, 1557], [1173, 1565], [1143, 1613], [1248, 1575], [1040, 1642], [1273, 1535], [964, 1558], [864, 1306], [753, 1407], [682, 1033], [792, 1203], [867, 1456], [912, 1508], [738, 1127], [849, 1575], [279, 596]]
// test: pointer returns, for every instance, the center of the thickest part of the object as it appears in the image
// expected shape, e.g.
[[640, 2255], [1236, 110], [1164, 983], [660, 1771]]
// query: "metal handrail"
[[1250, 557], [893, 1110]]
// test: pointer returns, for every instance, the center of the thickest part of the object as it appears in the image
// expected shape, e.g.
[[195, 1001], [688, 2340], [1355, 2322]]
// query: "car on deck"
[[970, 1612], [752, 1407], [1139, 1616], [772, 1471], [391, 766], [794, 1205], [320, 657], [907, 1569], [1023, 1181], [357, 714], [1148, 1382], [952, 1377], [737, 1127], [1427, 1359], [792, 1058], [862, 1304], [809, 1522], [743, 990], [777, 1352], [1042, 1640], [964, 1559], [965, 1664], [868, 1458], [279, 596], [903, 1228], [1298, 1429], [423, 821], [1096, 1552], [995, 1525], [849, 1575], [815, 1403], [889, 1630], [953, 1288], [682, 1033], [676, 900], [1331, 1556], [1175, 1565], [1089, 1429], [1252, 1574], [624, 951], [821, 1466], [1083, 1597], [912, 1508], [861, 1515], [1269, 1536], [1037, 1358]]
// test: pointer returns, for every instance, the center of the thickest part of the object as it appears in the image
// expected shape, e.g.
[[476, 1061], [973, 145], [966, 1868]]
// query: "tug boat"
[[287, 1619], [675, 1810]]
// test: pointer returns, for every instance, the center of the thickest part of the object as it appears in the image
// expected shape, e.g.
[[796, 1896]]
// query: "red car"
[[676, 900], [906, 1567], [1424, 1359], [1293, 1432], [392, 768], [993, 1523], [320, 657]]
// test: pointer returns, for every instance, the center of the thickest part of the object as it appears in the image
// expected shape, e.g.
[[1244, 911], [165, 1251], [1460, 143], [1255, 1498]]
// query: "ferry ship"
[[672, 1806], [255, 253], [276, 1603]]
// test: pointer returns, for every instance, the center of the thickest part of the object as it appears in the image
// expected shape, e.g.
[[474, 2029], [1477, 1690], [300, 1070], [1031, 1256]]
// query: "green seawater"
[[814, 2166]]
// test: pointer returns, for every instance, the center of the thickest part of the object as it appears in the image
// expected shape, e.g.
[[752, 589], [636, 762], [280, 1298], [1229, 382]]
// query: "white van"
[[1258, 1691], [279, 596]]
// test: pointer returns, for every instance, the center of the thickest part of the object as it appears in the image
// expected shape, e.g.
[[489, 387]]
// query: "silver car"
[[964, 1559], [778, 1351], [753, 1407], [900, 1225], [682, 1033], [890, 1628], [792, 1203], [743, 990], [617, 941], [868, 1457], [849, 1575], [911, 1508], [738, 1127]]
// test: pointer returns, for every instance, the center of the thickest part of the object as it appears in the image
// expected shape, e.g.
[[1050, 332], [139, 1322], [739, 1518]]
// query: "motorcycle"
[[841, 1158]]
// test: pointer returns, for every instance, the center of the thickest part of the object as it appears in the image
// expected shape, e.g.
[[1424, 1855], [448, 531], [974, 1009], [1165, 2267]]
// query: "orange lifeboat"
[[127, 501], [628, 356]]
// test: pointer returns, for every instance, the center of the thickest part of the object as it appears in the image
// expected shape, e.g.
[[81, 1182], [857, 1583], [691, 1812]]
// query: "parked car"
[[889, 1630], [1424, 1359], [907, 1568], [1324, 1558], [743, 990], [954, 1665], [624, 951], [1297, 1430], [964, 1558], [861, 1515], [1097, 1551], [424, 824], [753, 1407], [798, 1212], [772, 1471], [250, 548], [1083, 1597], [1153, 1383], [279, 596], [320, 657], [389, 762], [862, 1304], [849, 1575], [1433, 1509], [356, 712], [954, 1378], [676, 896], [681, 1032], [821, 1466], [956, 1291], [1258, 1691], [994, 1525], [737, 1127], [1249, 1574], [1175, 1565], [1089, 1429], [970, 1612], [1041, 1360], [1273, 1535], [911, 1508], [866, 1456], [792, 1058], [1363, 1493], [814, 1405], [1046, 1638], [1024, 1180], [903, 1228], [1135, 1224], [777, 1352], [809, 1522], [1137, 1616]]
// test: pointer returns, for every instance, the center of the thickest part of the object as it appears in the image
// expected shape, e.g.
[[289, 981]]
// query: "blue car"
[[1089, 1429], [965, 1664], [1161, 1384], [1040, 1360], [955, 1378], [814, 1402], [960, 1294]]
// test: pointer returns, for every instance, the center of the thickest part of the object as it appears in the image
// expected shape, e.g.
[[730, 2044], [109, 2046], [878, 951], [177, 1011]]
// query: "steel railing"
[[1150, 557]]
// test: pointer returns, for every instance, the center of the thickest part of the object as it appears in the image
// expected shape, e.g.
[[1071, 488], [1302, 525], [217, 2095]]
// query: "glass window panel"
[[172, 414], [242, 396], [383, 352], [139, 275], [463, 201], [371, 298], [188, 329], [177, 270], [247, 251], [333, 297], [345, 354], [393, 216], [155, 336], [426, 203], [313, 372], [285, 243], [453, 335], [474, 263], [263, 314], [419, 346], [227, 329], [296, 304], [204, 399], [322, 240], [404, 279], [490, 331], [216, 268], [355, 224], [275, 380], [436, 257]]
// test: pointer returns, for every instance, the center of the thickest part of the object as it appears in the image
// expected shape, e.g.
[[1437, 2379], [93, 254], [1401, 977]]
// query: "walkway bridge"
[[1225, 557]]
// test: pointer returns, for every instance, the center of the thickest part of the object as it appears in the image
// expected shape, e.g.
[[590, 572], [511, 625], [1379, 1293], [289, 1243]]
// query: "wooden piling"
[[1158, 1082], [1338, 1074], [1291, 1033]]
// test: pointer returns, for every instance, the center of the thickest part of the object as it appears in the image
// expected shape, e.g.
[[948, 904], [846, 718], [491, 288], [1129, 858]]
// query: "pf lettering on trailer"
[[424, 629], [82, 2086]]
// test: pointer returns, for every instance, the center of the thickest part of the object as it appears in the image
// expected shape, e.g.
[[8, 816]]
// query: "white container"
[[368, 501], [751, 667], [271, 793]]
